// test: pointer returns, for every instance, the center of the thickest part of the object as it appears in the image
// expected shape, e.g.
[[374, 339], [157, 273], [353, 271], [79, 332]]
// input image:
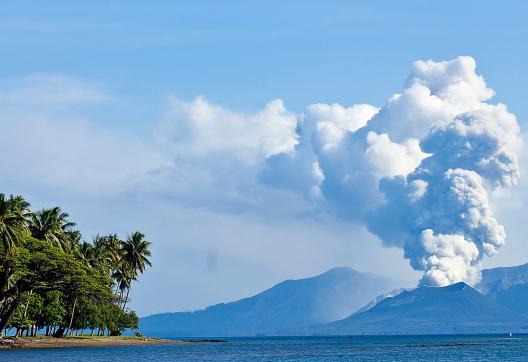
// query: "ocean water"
[[408, 348]]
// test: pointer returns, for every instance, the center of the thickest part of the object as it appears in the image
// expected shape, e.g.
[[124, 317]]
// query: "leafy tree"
[[53, 310], [13, 232], [50, 278]]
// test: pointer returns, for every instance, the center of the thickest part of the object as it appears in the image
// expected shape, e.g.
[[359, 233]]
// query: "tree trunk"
[[73, 312], [92, 332], [4, 279], [47, 331], [59, 332], [5, 317], [25, 313], [126, 299]]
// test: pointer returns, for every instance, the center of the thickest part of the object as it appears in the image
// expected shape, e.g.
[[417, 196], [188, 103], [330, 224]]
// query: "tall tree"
[[52, 225], [135, 257], [13, 232], [13, 227]]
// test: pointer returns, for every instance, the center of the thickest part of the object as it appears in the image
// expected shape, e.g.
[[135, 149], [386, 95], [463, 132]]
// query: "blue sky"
[[243, 53], [117, 69]]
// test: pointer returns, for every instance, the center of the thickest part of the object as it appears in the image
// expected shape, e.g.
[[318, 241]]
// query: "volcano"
[[455, 309]]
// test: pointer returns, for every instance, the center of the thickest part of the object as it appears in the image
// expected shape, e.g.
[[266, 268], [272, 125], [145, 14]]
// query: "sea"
[[355, 348]]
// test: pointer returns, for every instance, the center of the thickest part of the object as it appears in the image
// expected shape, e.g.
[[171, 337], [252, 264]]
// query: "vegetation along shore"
[[55, 284]]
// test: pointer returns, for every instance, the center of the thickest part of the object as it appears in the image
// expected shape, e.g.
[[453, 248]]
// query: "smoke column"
[[439, 214], [417, 171]]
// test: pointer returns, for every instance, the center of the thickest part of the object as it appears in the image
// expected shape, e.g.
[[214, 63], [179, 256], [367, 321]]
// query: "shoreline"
[[8, 343]]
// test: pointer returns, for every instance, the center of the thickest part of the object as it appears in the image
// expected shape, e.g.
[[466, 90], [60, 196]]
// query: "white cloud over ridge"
[[417, 171]]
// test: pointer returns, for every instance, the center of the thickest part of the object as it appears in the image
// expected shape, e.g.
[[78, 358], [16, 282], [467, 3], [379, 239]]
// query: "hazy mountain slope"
[[293, 303], [508, 286], [381, 297], [426, 310]]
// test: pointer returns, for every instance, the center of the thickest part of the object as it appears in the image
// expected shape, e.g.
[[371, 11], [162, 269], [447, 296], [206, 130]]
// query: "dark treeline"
[[51, 280]]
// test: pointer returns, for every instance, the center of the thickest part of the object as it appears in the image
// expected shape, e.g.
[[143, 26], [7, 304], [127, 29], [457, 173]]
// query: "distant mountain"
[[293, 303], [507, 286], [457, 308]]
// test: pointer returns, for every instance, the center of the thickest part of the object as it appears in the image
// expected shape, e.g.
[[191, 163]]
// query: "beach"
[[85, 341]]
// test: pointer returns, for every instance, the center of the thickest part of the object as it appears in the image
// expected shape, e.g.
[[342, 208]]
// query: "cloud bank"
[[417, 171]]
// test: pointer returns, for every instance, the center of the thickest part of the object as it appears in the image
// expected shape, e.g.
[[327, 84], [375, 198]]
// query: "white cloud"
[[391, 159], [58, 149], [334, 121], [49, 90], [203, 129]]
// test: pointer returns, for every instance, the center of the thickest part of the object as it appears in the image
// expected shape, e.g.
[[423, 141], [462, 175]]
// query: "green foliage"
[[13, 227], [50, 278], [53, 309]]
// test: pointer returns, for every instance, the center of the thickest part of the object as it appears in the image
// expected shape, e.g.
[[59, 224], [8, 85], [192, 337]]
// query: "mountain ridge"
[[326, 297], [454, 309]]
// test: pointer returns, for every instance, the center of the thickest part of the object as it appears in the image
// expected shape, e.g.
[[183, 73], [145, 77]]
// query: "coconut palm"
[[19, 204], [72, 241], [52, 225], [114, 252], [13, 232], [135, 257], [13, 227], [123, 277], [87, 253], [136, 252]]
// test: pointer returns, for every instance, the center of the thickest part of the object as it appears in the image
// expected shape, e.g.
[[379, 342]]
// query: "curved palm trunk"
[[5, 317], [73, 312], [126, 299], [4, 280]]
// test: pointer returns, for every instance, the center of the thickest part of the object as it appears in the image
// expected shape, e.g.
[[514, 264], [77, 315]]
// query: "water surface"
[[380, 348]]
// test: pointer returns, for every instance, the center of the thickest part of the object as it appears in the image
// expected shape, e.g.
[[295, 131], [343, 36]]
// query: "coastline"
[[74, 342]]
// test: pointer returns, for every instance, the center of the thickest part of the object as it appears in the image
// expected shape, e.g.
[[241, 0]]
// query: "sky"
[[174, 119]]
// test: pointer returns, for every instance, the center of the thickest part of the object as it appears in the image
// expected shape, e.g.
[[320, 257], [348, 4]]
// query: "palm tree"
[[123, 277], [73, 241], [13, 232], [13, 227], [136, 252], [87, 253], [52, 225], [135, 257], [18, 203], [114, 252], [107, 251]]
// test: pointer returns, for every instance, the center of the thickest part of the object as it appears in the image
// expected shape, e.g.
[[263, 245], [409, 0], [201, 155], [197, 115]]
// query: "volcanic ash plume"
[[440, 212], [417, 171]]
